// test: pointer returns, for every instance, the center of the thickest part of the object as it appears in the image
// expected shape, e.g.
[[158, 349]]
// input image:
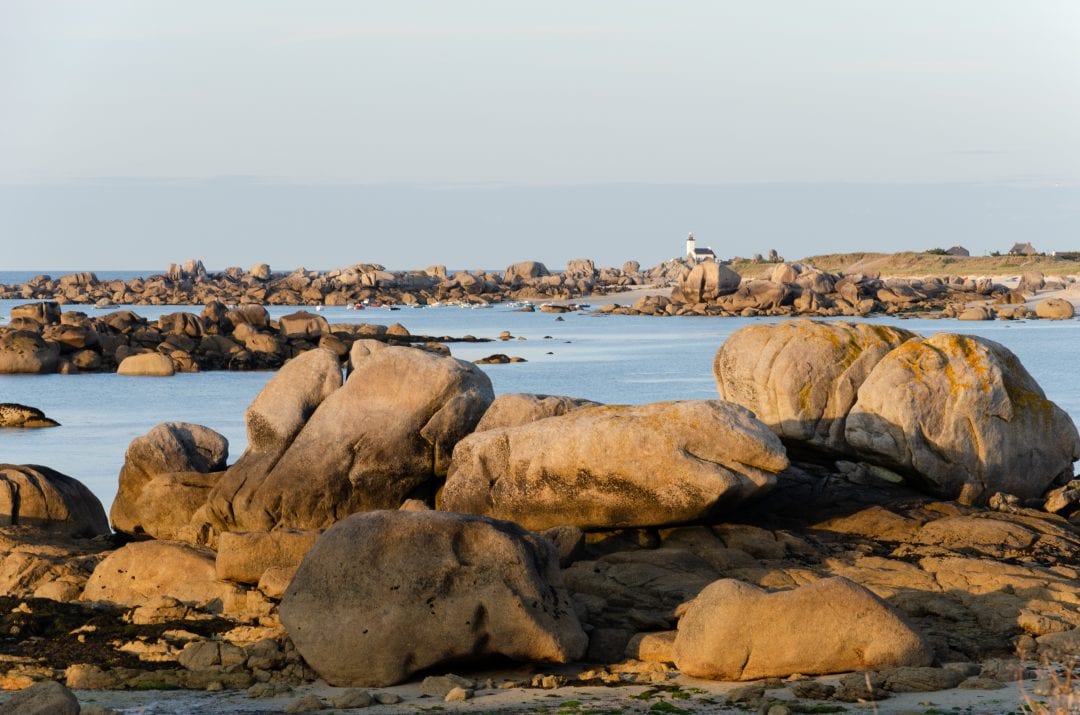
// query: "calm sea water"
[[17, 277], [612, 359]]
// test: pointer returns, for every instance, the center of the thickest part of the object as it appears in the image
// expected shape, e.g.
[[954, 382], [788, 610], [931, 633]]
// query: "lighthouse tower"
[[690, 246]]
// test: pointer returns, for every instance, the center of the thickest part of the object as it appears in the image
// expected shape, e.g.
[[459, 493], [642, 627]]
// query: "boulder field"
[[900, 508], [40, 339], [234, 330]]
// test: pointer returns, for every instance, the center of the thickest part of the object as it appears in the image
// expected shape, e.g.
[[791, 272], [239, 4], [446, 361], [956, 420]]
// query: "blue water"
[[612, 359]]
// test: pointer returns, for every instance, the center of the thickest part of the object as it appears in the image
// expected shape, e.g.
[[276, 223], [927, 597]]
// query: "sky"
[[135, 133]]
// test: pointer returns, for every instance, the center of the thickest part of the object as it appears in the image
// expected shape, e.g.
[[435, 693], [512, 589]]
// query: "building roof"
[[703, 252]]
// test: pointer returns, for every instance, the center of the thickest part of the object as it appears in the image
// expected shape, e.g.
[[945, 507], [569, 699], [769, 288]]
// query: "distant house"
[[1022, 249], [958, 251], [697, 255]]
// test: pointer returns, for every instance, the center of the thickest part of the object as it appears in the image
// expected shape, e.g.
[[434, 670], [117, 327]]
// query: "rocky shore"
[[863, 514], [235, 332], [191, 284], [796, 289]]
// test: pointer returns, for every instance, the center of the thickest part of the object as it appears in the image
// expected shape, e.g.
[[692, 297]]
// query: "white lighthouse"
[[695, 254]]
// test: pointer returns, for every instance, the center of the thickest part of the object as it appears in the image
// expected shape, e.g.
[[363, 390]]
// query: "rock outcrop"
[[385, 434], [708, 281], [736, 631], [616, 466], [25, 352], [385, 594]]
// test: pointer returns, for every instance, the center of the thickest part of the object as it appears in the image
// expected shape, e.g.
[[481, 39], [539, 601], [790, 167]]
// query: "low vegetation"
[[926, 263]]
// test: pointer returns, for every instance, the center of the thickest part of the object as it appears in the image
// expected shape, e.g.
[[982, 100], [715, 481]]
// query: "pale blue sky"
[[134, 133]]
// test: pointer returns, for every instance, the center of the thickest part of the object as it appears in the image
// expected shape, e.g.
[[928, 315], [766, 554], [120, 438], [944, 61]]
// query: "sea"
[[608, 358]]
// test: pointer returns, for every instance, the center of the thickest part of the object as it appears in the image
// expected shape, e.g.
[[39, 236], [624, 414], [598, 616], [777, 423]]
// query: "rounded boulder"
[[385, 594], [616, 466], [736, 631], [961, 417], [801, 377]]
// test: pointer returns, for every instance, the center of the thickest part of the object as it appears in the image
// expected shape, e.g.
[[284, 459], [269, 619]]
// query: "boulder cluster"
[[785, 289], [40, 339], [191, 284], [403, 519]]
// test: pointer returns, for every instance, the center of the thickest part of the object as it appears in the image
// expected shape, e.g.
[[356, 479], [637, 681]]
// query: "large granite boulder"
[[963, 419], [168, 448], [303, 324], [370, 444], [385, 594], [706, 282], [518, 408], [757, 295], [33, 495], [45, 312], [525, 271], [139, 572], [616, 466], [246, 556], [801, 377], [147, 365], [289, 398], [1055, 309], [736, 631], [167, 504], [44, 698], [25, 352]]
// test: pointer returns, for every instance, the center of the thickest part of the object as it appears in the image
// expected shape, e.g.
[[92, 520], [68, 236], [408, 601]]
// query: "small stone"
[[268, 690], [858, 687], [387, 698], [352, 698], [458, 695], [779, 710], [812, 690], [746, 693], [965, 669], [439, 685], [306, 704], [215, 687]]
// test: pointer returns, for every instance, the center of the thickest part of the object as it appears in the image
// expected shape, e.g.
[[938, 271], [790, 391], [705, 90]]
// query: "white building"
[[697, 255]]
